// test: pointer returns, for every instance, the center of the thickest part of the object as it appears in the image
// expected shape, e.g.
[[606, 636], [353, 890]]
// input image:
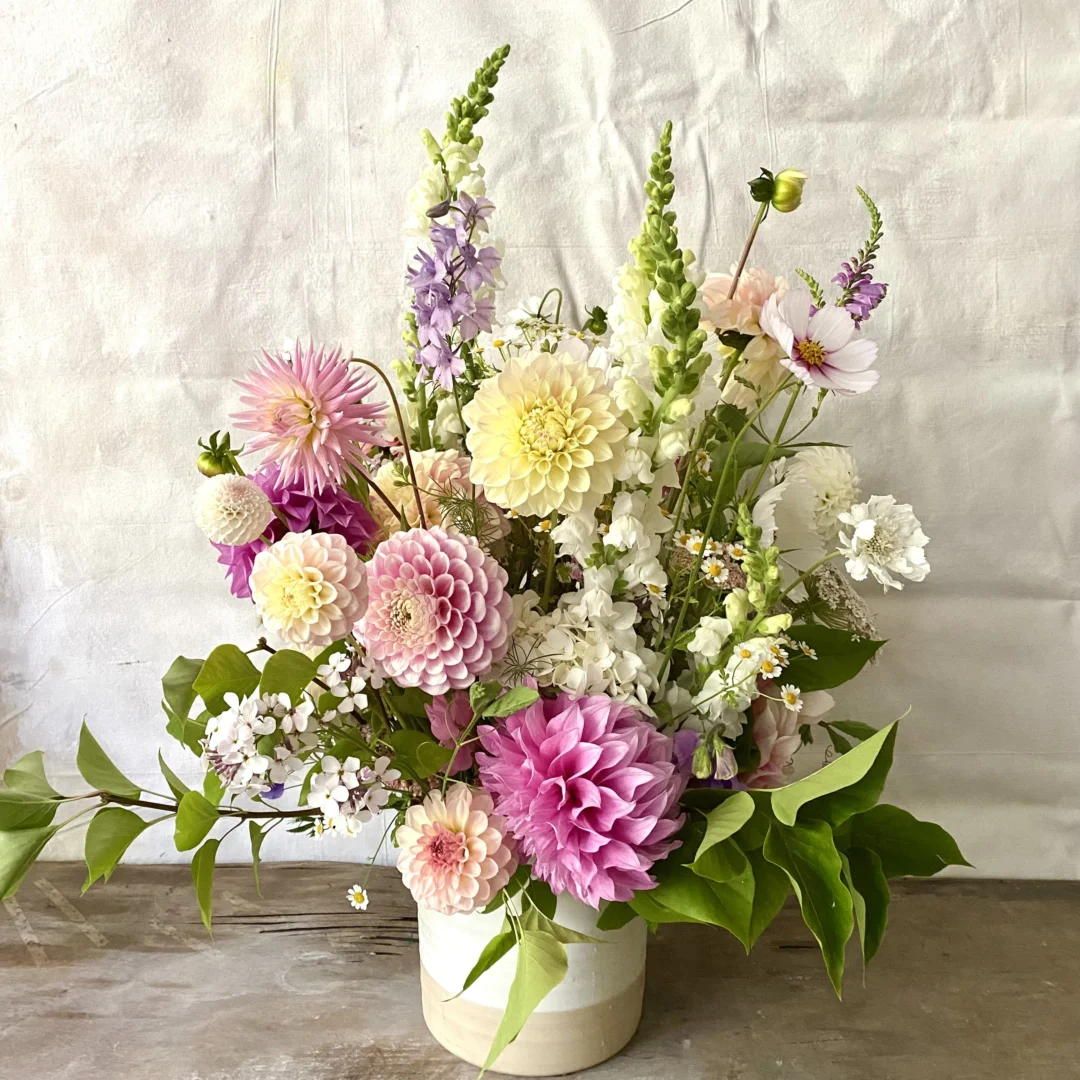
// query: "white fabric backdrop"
[[185, 180]]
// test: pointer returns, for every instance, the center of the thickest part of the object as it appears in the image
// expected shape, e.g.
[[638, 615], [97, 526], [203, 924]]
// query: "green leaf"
[[840, 657], [108, 836], [534, 919], [720, 862], [176, 785], [855, 728], [226, 670], [681, 891], [539, 892], [433, 757], [752, 835], [412, 702], [808, 855], [202, 875], [98, 771], [18, 850], [287, 672], [771, 887], [331, 650], [726, 820], [615, 916], [490, 955], [840, 744], [906, 846], [513, 701], [838, 806], [25, 810], [194, 819], [541, 966], [418, 754], [176, 684], [213, 788], [518, 880], [28, 774], [842, 773], [870, 896], [482, 694], [188, 732], [257, 835]]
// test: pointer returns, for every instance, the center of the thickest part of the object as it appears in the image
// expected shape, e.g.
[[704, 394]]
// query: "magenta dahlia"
[[311, 415], [438, 611], [591, 791]]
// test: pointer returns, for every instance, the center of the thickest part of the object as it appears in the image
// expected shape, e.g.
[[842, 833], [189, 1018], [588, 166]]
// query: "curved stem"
[[763, 209]]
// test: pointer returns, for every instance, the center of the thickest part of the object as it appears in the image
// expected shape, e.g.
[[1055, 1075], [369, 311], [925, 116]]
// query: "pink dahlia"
[[590, 789], [454, 853], [438, 611], [821, 349], [311, 415], [449, 716]]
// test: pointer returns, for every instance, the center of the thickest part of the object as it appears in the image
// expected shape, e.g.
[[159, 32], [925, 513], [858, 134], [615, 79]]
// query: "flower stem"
[[774, 442], [763, 209]]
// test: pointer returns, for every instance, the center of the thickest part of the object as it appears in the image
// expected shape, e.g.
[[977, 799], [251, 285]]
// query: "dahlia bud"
[[218, 456], [787, 190], [232, 510], [210, 465]]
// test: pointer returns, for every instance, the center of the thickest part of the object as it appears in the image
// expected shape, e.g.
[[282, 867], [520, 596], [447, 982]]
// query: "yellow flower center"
[[810, 352], [546, 430], [298, 593]]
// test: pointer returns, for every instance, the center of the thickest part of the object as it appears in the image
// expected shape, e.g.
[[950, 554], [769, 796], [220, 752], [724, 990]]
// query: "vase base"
[[550, 1043]]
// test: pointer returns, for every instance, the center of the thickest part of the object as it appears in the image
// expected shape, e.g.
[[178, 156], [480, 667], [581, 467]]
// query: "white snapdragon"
[[710, 637]]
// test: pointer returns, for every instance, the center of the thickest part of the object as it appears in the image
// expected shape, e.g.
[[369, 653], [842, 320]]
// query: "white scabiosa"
[[885, 539], [232, 510]]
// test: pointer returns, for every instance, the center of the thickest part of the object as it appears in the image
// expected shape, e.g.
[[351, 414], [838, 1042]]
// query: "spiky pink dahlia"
[[438, 612], [590, 790], [454, 853], [311, 414]]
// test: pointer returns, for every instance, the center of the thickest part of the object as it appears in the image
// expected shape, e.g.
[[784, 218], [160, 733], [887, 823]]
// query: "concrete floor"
[[977, 980]]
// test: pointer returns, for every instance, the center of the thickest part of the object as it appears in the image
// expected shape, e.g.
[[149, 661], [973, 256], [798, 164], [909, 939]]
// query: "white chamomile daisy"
[[715, 570], [358, 897], [791, 696], [770, 667], [737, 551]]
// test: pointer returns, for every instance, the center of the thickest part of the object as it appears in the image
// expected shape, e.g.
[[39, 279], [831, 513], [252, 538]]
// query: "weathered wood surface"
[[977, 980]]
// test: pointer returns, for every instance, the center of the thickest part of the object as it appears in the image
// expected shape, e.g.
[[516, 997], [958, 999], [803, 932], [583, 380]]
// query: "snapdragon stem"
[[763, 209]]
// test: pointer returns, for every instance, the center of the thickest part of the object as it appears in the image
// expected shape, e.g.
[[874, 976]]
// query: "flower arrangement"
[[566, 601]]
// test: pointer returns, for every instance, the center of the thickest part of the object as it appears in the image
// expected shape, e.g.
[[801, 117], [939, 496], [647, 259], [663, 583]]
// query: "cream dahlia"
[[438, 615], [310, 588], [232, 510], [542, 432], [454, 852]]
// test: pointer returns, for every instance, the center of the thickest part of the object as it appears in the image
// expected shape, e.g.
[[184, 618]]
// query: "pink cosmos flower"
[[454, 853], [820, 348], [449, 715], [311, 415], [776, 733], [438, 611], [590, 789]]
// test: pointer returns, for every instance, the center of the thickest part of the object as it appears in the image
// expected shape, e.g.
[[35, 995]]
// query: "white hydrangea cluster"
[[349, 795], [231, 744]]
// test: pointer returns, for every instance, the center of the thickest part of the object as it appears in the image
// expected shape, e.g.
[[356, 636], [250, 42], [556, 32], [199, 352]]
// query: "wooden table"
[[977, 980]]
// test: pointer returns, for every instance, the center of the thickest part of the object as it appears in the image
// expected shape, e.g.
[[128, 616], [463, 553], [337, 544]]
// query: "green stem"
[[774, 442], [676, 514], [763, 209], [761, 615], [549, 575]]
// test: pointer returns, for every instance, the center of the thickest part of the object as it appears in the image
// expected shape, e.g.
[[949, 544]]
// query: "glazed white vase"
[[591, 1015]]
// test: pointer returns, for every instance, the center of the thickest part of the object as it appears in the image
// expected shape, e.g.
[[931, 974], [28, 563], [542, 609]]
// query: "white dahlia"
[[830, 471], [885, 538], [232, 509], [543, 432], [309, 588]]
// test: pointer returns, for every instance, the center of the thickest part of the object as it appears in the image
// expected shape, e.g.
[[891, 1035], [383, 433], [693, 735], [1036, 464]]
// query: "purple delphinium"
[[331, 510], [444, 282]]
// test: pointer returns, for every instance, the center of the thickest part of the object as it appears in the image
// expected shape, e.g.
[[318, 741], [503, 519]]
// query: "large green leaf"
[[615, 916], [419, 754], [28, 774], [771, 887], [839, 774], [720, 862], [807, 854], [837, 806], [186, 731], [213, 788], [177, 684], [726, 820], [202, 876], [25, 810], [108, 836], [98, 771], [870, 894], [686, 894], [490, 955], [906, 846], [176, 785], [18, 850], [513, 701], [541, 896], [840, 657], [226, 670], [541, 966], [194, 819], [287, 672]]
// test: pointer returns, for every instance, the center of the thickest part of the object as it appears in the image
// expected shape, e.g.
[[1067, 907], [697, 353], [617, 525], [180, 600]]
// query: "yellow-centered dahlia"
[[543, 432]]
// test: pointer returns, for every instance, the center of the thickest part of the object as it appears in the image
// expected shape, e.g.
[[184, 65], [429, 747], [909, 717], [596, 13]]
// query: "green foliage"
[[840, 657], [771, 888], [807, 853], [177, 684], [186, 731], [287, 672], [195, 817], [615, 916], [906, 846], [202, 876], [213, 788], [28, 774], [725, 820], [19, 848], [109, 835], [815, 289], [419, 754], [25, 810], [98, 771], [870, 895], [467, 111], [257, 835], [490, 955], [513, 701], [176, 785], [226, 670]]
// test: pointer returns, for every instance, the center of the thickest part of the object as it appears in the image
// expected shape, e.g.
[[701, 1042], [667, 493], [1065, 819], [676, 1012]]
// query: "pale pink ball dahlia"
[[312, 415], [454, 852], [438, 612], [590, 790]]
